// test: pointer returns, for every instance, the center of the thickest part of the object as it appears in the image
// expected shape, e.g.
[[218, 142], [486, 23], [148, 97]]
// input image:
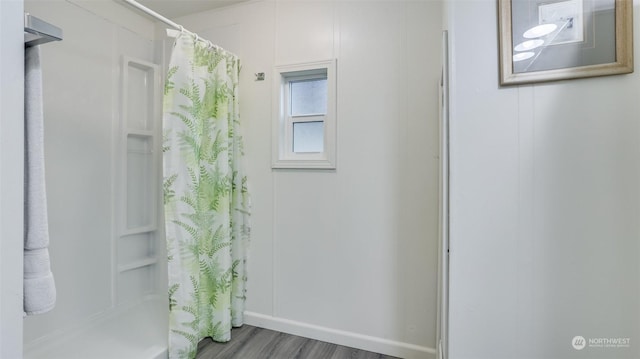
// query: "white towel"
[[39, 286]]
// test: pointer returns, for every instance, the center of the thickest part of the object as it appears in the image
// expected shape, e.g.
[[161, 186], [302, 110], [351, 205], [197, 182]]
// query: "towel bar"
[[37, 31]]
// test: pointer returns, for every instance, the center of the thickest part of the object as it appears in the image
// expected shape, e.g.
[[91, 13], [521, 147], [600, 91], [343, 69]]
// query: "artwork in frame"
[[542, 40]]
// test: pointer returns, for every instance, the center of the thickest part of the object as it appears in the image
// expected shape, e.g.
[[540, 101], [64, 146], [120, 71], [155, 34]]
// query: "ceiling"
[[176, 8]]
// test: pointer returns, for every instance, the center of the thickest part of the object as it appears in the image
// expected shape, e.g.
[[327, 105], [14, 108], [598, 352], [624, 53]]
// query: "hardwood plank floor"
[[257, 343]]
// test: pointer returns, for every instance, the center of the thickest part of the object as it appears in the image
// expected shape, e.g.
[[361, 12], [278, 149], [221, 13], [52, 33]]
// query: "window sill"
[[303, 164]]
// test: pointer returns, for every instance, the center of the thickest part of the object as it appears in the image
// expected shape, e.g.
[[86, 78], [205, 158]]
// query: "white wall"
[[545, 204], [81, 89], [11, 176], [350, 255]]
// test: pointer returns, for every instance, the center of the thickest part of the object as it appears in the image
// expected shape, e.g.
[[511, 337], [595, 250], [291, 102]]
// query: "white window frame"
[[282, 126]]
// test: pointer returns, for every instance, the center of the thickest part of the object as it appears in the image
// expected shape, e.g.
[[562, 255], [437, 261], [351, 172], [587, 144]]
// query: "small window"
[[304, 116]]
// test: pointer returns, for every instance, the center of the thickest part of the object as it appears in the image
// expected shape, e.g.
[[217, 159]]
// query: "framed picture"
[[542, 40]]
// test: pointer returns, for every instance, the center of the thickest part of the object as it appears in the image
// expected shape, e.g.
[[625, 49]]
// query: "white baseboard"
[[340, 337]]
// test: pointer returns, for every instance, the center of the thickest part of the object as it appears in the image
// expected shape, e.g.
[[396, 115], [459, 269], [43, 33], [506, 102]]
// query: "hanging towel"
[[39, 286]]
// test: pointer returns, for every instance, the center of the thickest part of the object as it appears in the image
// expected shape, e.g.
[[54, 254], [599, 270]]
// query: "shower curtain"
[[205, 195]]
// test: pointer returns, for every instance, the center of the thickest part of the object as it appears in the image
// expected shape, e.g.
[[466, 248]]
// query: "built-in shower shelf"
[[138, 230], [138, 267], [137, 264]]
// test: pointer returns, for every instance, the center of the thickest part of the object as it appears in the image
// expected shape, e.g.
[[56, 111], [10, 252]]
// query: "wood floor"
[[256, 343]]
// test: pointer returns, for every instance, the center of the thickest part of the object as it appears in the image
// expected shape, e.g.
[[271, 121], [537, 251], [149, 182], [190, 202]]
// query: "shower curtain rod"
[[154, 14]]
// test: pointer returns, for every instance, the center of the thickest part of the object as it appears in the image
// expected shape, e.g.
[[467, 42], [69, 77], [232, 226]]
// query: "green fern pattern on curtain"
[[206, 200]]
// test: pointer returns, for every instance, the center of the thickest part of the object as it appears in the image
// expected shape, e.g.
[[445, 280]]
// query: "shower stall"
[[102, 98]]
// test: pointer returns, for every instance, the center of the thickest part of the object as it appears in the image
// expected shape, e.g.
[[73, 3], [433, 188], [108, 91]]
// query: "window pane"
[[308, 136], [309, 97]]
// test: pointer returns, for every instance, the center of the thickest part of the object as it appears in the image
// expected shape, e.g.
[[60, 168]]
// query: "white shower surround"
[[102, 103]]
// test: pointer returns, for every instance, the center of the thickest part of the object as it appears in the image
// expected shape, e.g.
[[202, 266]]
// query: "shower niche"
[[138, 243]]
